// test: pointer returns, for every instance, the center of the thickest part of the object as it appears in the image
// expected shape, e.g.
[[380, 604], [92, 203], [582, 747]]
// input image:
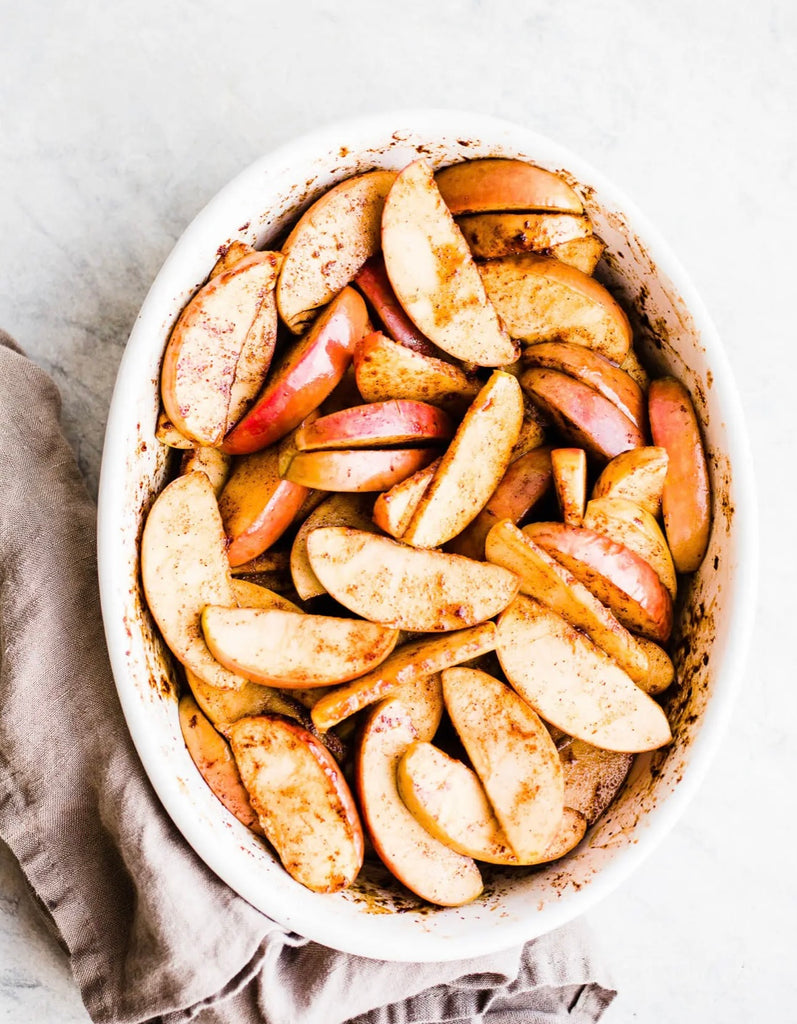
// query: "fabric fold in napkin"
[[152, 934]]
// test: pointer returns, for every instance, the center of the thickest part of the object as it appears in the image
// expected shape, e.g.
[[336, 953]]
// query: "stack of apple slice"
[[460, 511]]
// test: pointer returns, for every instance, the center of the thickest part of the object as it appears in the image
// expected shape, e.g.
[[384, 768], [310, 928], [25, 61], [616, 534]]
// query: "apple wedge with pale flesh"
[[492, 235], [539, 298], [304, 805], [582, 415], [632, 366], [661, 671], [230, 255], [373, 282], [593, 369], [534, 430], [569, 466], [433, 274], [350, 510], [472, 466], [418, 860], [210, 461], [387, 582], [168, 434], [220, 349], [592, 776], [637, 475], [615, 574], [329, 244], [630, 524], [395, 423], [582, 253], [686, 498], [573, 684], [545, 579], [284, 649], [494, 185], [406, 667], [305, 376], [387, 370], [394, 508], [448, 799], [513, 755], [357, 469]]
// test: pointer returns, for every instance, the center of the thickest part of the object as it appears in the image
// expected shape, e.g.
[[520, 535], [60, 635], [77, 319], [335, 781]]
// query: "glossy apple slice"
[[491, 235], [394, 508], [637, 475], [373, 282], [569, 466], [433, 274], [377, 425], [358, 470], [490, 185], [337, 510], [306, 375]]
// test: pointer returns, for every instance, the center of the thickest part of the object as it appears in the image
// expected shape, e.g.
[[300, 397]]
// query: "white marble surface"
[[118, 121]]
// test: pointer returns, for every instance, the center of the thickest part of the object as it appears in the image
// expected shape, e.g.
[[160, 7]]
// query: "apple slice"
[[629, 524], [433, 274], [526, 481], [615, 574], [593, 369], [406, 667], [661, 671], [168, 434], [539, 298], [491, 235], [637, 475], [534, 430], [220, 349], [635, 369], [582, 415], [573, 684], [302, 800], [385, 369], [229, 255], [514, 757], [592, 776], [329, 244], [582, 253], [417, 859], [472, 466], [184, 567], [686, 499], [309, 372], [337, 510], [210, 461], [543, 578], [569, 466], [394, 508], [358, 470], [387, 582], [484, 186], [213, 758], [284, 649], [377, 425], [373, 282]]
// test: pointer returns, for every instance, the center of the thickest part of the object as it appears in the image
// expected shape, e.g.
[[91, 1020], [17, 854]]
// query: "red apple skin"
[[593, 369], [373, 282], [526, 481], [307, 374], [614, 573], [585, 417], [377, 425], [358, 470], [686, 498], [495, 185]]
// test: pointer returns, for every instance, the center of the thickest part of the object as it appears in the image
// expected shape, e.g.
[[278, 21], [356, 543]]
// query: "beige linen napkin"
[[151, 933]]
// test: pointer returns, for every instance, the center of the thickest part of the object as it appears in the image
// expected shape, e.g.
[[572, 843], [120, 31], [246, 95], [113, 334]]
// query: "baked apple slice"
[[492, 235], [357, 469], [210, 461], [582, 253], [397, 422], [569, 466], [395, 507], [637, 475], [373, 282], [494, 184], [337, 510], [592, 776]]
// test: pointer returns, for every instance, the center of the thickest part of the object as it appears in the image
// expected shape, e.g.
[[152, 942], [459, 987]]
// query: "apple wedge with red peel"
[[418, 860], [220, 349], [210, 461], [279, 648], [582, 253], [213, 758], [569, 466], [513, 755], [472, 465], [304, 805], [539, 298], [337, 510], [593, 369], [358, 470], [545, 579], [387, 370], [385, 581], [492, 235], [582, 415], [373, 282], [306, 375], [686, 498], [433, 274], [573, 684], [630, 524], [406, 666], [329, 244], [377, 425], [525, 483], [495, 185], [615, 574], [592, 776], [637, 475], [394, 508]]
